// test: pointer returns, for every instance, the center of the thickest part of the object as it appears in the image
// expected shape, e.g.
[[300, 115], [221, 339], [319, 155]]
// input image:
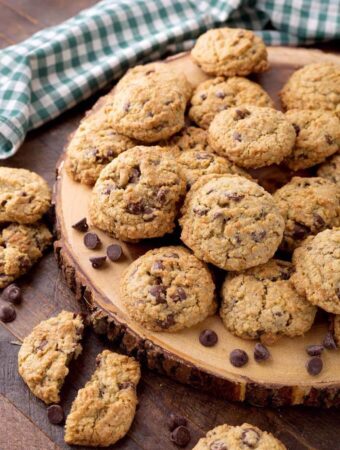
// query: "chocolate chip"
[[329, 139], [42, 345], [318, 221], [12, 293], [134, 175], [180, 436], [127, 106], [250, 437], [175, 421], [92, 241], [237, 136], [314, 350], [314, 366], [204, 156], [238, 358], [200, 210], [167, 323], [203, 96], [114, 252], [81, 225], [218, 445], [337, 291], [261, 353], [220, 94], [208, 338], [179, 295], [126, 385], [98, 261], [296, 128], [161, 195], [241, 114], [300, 231], [159, 292], [258, 236], [329, 341], [158, 265], [55, 414], [108, 190], [150, 114], [234, 196], [7, 313]]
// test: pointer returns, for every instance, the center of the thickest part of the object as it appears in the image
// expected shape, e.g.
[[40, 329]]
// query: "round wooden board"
[[282, 380]]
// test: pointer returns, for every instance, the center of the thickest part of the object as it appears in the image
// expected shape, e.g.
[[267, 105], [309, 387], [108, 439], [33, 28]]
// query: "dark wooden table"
[[23, 420]]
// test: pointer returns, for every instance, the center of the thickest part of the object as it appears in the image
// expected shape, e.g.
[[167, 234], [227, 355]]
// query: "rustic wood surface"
[[23, 420]]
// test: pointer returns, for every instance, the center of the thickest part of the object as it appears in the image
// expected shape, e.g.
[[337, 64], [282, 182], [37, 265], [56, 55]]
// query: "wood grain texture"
[[45, 294]]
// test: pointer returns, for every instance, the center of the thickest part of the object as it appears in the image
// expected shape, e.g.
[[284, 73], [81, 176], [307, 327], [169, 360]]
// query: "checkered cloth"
[[58, 67]]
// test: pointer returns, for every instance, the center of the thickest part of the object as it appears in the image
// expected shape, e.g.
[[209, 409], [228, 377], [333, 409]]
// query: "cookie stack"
[[24, 198]]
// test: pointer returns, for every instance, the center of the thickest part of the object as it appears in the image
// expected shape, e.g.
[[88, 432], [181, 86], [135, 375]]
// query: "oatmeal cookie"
[[308, 206], [314, 86], [24, 196], [252, 136], [219, 94], [46, 352], [262, 303], [231, 222], [168, 289], [21, 246], [136, 196], [93, 146], [317, 137], [190, 138], [103, 410], [230, 52], [330, 169], [146, 111], [243, 437], [317, 274]]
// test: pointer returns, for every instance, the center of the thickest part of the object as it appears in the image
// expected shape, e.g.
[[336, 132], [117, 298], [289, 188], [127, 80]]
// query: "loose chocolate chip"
[[238, 358], [300, 231], [159, 292], [314, 350], [91, 241], [81, 225], [208, 338], [180, 436], [167, 323], [158, 265], [114, 252], [220, 94], [250, 437], [237, 136], [258, 236], [242, 114], [55, 414], [329, 341], [134, 175], [179, 295], [297, 129], [175, 421], [12, 294], [126, 385], [329, 139], [7, 313], [218, 445], [314, 366], [318, 221], [261, 353], [98, 261]]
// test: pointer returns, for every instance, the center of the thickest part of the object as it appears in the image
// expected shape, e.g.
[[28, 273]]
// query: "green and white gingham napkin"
[[58, 67]]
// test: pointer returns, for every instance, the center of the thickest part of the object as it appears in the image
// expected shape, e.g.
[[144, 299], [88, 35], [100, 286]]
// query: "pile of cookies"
[[24, 199]]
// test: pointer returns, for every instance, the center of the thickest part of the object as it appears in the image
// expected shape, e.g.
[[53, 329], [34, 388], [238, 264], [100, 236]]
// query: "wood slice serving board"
[[281, 381]]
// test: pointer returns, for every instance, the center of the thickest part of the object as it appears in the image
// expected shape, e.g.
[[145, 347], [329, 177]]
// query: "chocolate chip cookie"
[[230, 52], [262, 303], [308, 206], [219, 94], [21, 246], [168, 289], [136, 196], [46, 352], [231, 222], [317, 274], [252, 136], [243, 437], [93, 146], [317, 137], [147, 111], [24, 196], [315, 86], [103, 410], [330, 169]]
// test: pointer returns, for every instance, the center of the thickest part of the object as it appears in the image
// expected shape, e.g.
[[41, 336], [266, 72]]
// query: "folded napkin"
[[58, 67]]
